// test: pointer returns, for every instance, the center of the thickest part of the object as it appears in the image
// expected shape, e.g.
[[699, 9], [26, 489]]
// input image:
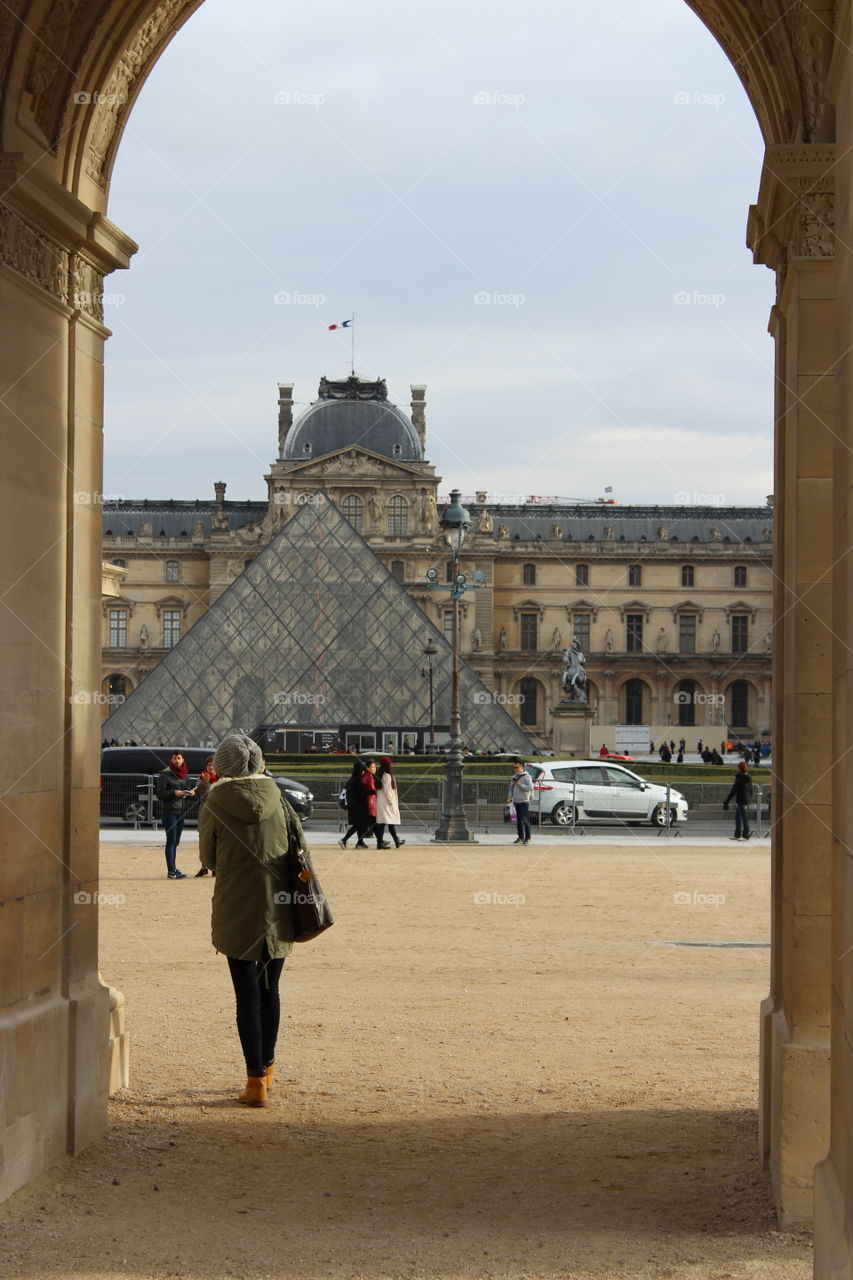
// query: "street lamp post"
[[430, 650], [453, 827]]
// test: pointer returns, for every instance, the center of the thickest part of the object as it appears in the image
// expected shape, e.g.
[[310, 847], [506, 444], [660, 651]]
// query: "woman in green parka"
[[245, 829]]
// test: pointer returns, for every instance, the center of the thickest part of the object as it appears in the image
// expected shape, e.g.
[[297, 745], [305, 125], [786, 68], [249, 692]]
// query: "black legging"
[[258, 1010]]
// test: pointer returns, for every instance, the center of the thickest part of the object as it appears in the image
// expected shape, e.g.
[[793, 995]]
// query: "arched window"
[[740, 575], [122, 564], [118, 687], [528, 690], [528, 575], [685, 698], [634, 691], [398, 569], [398, 518], [353, 510], [635, 575], [739, 705], [173, 571]]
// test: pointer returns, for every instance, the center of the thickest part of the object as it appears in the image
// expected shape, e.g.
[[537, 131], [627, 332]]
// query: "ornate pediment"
[[352, 462]]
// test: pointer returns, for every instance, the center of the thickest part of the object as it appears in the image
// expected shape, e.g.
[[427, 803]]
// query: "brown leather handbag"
[[311, 914]]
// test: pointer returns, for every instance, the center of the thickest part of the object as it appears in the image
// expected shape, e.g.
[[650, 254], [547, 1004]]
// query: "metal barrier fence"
[[130, 798]]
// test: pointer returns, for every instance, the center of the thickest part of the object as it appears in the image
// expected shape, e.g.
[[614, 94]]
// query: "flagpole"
[[352, 345]]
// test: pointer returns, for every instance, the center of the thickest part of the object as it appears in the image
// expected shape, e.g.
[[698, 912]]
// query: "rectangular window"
[[687, 633], [171, 627], [448, 625], [740, 633], [582, 575], [580, 626], [635, 575], [118, 628], [529, 622], [635, 632], [687, 575]]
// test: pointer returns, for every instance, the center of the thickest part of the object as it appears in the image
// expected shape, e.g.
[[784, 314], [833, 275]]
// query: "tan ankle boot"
[[255, 1092], [270, 1074]]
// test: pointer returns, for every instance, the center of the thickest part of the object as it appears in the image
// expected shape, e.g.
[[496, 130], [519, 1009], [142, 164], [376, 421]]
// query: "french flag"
[[345, 324]]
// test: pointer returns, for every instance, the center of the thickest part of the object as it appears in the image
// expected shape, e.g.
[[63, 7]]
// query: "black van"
[[125, 774]]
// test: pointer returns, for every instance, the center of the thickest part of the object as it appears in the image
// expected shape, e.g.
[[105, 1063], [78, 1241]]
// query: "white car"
[[568, 791]]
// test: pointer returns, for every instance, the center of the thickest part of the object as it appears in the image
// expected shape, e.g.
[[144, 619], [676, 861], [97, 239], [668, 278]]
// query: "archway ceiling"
[[55, 52]]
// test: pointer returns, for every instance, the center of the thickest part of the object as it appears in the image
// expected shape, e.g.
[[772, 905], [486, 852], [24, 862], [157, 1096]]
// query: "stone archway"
[[70, 73]]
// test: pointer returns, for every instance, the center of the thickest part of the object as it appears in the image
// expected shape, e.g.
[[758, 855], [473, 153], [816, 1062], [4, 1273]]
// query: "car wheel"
[[135, 811], [659, 816], [561, 815]]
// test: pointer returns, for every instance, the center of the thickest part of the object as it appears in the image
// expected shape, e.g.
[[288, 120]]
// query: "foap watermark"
[[293, 298], [483, 298], [311, 500], [508, 499], [497, 98], [300, 898], [84, 298], [484, 898], [84, 699], [97, 98], [487, 697], [697, 299], [83, 498], [83, 898], [697, 899], [684, 699], [298, 98], [296, 699], [686, 499], [695, 98]]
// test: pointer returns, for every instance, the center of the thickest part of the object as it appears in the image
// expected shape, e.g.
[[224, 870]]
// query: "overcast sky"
[[536, 209]]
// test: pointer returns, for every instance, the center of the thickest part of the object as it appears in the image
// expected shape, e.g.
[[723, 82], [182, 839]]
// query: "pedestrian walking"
[[355, 802], [387, 804], [173, 794], [741, 793], [246, 830], [520, 794]]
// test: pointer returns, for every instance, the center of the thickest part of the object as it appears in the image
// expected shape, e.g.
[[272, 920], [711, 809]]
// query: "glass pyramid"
[[315, 633]]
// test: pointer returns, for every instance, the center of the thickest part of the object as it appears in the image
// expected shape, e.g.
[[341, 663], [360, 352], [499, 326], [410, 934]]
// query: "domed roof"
[[353, 412]]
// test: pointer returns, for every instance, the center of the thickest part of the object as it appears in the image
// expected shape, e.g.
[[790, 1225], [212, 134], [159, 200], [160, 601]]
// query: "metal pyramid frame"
[[316, 633]]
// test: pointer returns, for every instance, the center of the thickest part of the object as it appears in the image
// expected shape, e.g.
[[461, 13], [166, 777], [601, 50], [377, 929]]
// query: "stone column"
[[54, 1010], [834, 1177], [792, 231]]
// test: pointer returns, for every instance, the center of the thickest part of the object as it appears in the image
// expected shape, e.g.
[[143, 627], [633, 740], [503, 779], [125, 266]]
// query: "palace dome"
[[353, 412]]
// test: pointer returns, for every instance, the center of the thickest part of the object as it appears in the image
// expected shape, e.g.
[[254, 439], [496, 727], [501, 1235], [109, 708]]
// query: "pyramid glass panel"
[[316, 633]]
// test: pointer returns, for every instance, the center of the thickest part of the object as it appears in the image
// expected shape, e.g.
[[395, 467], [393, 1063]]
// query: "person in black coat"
[[741, 793]]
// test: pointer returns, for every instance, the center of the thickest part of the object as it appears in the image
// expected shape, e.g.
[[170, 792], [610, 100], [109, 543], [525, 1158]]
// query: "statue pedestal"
[[572, 729]]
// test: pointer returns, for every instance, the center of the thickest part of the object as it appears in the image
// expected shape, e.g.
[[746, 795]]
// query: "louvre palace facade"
[[671, 605]]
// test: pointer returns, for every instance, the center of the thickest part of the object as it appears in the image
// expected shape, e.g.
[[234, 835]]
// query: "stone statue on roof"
[[352, 388]]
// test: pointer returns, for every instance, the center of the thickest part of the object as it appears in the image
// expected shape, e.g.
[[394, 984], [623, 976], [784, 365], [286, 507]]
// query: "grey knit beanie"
[[237, 757]]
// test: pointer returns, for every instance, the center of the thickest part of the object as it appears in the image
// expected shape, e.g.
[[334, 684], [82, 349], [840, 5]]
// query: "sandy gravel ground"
[[495, 1065]]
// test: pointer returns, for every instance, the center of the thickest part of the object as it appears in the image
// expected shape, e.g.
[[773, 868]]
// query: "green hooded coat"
[[243, 832]]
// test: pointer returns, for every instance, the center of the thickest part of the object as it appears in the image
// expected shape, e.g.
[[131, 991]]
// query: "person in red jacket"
[[368, 782]]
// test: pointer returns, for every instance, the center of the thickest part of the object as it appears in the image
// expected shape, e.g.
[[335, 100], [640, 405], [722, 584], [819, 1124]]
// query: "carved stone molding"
[[122, 85], [795, 213], [57, 54], [87, 292], [33, 254]]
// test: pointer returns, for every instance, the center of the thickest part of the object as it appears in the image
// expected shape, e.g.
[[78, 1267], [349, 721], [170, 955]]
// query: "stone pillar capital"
[[795, 213]]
